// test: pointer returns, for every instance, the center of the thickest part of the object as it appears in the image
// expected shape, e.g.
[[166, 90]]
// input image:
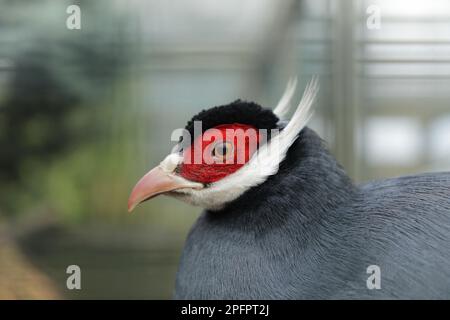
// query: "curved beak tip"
[[156, 182], [130, 207], [132, 203]]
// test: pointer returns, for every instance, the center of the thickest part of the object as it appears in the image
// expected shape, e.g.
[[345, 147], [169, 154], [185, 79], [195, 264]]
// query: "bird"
[[287, 222]]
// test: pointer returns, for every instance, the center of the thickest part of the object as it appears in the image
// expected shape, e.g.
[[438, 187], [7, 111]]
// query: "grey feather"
[[309, 233]]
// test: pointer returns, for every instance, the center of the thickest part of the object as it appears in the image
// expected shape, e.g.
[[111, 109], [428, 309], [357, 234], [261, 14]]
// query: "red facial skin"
[[201, 165]]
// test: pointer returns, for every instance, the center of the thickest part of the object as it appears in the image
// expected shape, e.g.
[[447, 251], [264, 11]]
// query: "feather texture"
[[309, 233]]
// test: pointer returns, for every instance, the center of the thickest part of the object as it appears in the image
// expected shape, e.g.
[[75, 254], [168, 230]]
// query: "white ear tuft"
[[282, 108], [269, 156], [303, 113]]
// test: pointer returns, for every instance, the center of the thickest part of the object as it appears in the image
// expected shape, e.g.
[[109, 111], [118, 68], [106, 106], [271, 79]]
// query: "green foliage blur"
[[56, 85]]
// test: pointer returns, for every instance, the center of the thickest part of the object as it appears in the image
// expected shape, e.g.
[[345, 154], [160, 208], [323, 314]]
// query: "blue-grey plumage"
[[308, 232]]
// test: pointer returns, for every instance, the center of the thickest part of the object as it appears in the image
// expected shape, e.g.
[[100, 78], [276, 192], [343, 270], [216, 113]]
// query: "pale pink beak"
[[156, 182]]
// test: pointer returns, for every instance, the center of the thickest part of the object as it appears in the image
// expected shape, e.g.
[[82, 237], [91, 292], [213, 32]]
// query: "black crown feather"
[[239, 111]]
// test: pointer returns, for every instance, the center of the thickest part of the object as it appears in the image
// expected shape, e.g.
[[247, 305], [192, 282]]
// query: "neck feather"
[[308, 188]]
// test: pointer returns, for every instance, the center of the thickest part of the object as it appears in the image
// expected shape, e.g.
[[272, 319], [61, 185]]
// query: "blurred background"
[[84, 113]]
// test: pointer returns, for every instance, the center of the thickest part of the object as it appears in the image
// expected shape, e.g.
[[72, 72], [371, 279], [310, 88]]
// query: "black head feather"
[[238, 111]]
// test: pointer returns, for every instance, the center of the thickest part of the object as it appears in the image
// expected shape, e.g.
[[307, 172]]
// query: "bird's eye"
[[222, 149]]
